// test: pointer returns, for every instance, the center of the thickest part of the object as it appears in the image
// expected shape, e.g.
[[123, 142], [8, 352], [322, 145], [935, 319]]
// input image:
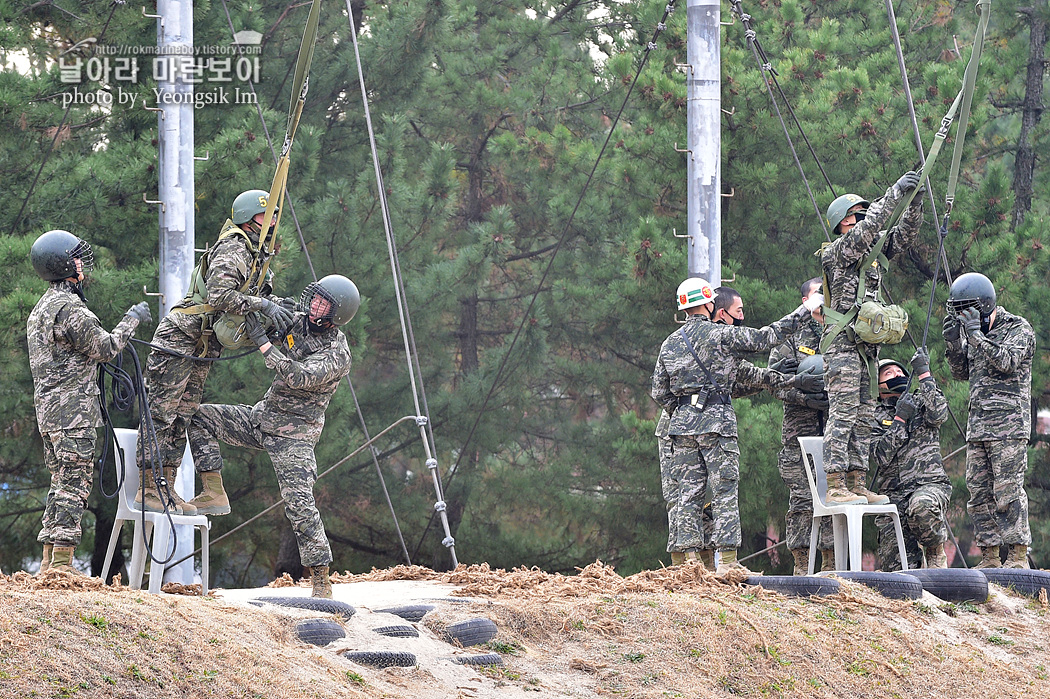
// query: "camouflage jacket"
[[309, 368], [799, 421], [66, 345], [721, 349], [998, 365], [839, 259], [909, 455]]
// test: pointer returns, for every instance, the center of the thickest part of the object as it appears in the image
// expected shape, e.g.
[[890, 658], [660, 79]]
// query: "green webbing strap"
[[969, 83]]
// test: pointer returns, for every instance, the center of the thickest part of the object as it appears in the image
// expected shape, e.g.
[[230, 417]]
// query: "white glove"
[[814, 302]]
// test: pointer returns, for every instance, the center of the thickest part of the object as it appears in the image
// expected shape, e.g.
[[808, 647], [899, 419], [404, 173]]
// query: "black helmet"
[[971, 290], [813, 364], [53, 253], [340, 291]]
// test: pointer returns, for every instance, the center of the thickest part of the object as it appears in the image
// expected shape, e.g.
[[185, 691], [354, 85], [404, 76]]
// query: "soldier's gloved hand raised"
[[290, 304], [907, 182], [951, 329], [906, 407], [810, 383], [140, 312], [281, 316], [970, 318], [816, 401], [785, 365], [255, 330], [920, 363], [813, 302]]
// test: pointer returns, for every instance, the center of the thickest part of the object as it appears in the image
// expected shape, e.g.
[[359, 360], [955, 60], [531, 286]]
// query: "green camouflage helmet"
[[247, 204], [883, 363], [839, 209], [340, 291]]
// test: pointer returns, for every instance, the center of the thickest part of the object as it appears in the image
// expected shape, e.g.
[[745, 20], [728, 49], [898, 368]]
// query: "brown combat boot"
[[728, 562], [801, 562], [45, 559], [677, 558], [213, 499], [319, 578], [855, 484], [707, 557], [827, 560], [170, 474], [935, 556], [62, 559], [1017, 557], [153, 502], [838, 494], [989, 558]]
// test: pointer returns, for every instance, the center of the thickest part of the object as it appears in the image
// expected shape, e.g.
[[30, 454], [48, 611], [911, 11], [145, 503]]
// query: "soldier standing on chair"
[[906, 449], [851, 364], [993, 349], [309, 362], [694, 378], [66, 345]]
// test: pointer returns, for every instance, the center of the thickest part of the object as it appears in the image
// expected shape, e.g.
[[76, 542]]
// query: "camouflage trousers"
[[922, 512], [175, 386], [69, 456], [671, 488], [998, 502], [799, 517], [699, 461], [293, 460], [847, 436]]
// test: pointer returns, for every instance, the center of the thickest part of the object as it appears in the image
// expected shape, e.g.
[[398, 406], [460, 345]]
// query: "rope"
[[650, 46], [768, 72], [313, 275]]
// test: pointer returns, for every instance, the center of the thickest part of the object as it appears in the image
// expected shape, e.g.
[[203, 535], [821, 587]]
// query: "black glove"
[[971, 320], [907, 182], [809, 383], [785, 365], [281, 316], [291, 304], [816, 401], [920, 363], [140, 312], [255, 329], [951, 329], [906, 407]]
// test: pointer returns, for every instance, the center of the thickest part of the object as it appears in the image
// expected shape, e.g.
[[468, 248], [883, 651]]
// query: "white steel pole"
[[704, 123]]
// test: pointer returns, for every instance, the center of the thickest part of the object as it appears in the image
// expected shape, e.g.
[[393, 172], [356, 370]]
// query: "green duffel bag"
[[879, 324], [230, 331]]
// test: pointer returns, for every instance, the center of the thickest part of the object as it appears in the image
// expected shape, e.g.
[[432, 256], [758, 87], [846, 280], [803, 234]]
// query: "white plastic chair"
[[847, 520], [156, 524]]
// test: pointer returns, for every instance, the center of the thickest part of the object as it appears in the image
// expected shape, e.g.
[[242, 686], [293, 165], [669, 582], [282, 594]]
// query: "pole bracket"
[[163, 208]]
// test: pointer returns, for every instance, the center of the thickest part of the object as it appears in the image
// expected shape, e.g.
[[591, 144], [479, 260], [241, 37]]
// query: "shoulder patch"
[[887, 423]]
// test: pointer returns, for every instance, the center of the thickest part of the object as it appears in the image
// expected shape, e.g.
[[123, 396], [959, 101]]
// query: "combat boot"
[[45, 559], [677, 558], [838, 494], [319, 578], [62, 560], [153, 502], [707, 557], [855, 484], [935, 556], [213, 499], [827, 560], [801, 562], [989, 558], [170, 475], [1017, 557], [728, 562]]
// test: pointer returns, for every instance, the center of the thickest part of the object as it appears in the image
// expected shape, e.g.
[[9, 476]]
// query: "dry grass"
[[677, 632]]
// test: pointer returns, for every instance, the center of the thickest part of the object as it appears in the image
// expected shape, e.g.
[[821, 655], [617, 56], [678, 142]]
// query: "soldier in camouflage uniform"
[[174, 378], [804, 416], [993, 349], [850, 363], [703, 424], [906, 449], [309, 363], [66, 345]]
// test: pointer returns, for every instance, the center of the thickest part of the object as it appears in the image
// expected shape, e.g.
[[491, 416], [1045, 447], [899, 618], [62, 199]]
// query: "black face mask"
[[859, 216], [897, 384], [737, 322], [986, 324]]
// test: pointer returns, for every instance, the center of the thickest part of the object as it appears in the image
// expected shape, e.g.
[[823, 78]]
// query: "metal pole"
[[704, 139], [175, 160]]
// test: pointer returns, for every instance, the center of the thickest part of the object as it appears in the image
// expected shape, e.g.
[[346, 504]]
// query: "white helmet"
[[694, 292]]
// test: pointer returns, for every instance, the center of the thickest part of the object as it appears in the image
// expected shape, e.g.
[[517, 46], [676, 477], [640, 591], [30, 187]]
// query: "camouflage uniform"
[[66, 345], [846, 375], [704, 437], [175, 384], [287, 423], [799, 421], [998, 365], [908, 457]]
